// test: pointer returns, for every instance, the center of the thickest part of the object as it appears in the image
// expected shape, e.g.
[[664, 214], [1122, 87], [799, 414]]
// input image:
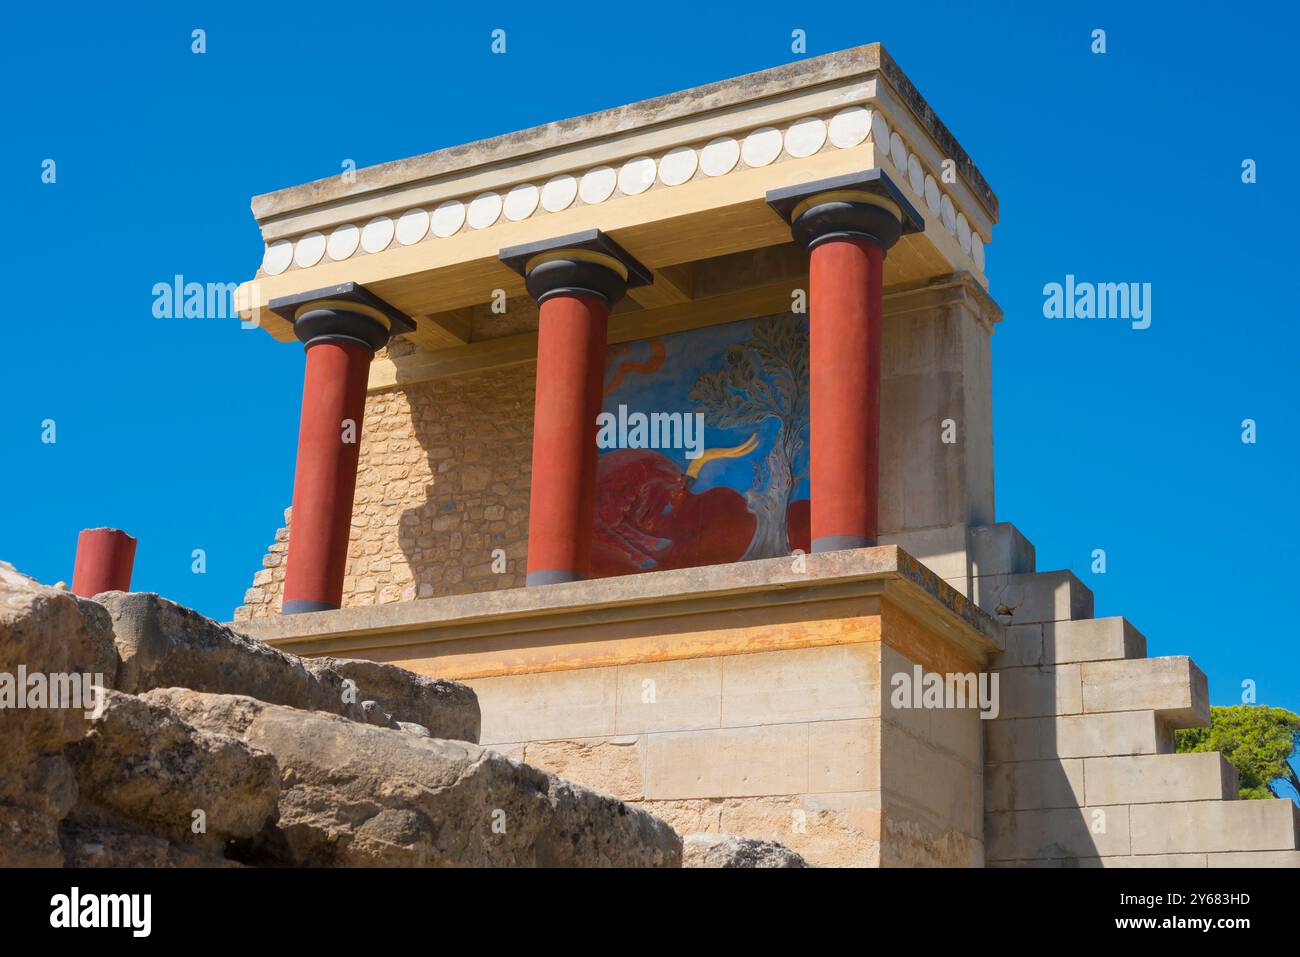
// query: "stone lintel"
[[883, 573]]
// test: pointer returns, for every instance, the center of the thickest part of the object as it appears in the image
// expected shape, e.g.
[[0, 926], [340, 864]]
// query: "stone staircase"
[[1080, 768]]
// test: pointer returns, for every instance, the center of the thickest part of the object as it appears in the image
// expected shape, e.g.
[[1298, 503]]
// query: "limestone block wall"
[[796, 745], [442, 483], [782, 745], [1080, 764]]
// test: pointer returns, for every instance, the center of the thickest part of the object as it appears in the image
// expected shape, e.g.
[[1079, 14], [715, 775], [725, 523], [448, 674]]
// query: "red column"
[[845, 283], [570, 374], [105, 557], [333, 393]]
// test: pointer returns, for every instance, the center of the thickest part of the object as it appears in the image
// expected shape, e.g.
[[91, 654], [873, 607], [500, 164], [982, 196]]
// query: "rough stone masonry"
[[208, 749]]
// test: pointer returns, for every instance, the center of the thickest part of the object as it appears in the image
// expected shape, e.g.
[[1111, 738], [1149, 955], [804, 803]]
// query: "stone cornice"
[[714, 146], [843, 64]]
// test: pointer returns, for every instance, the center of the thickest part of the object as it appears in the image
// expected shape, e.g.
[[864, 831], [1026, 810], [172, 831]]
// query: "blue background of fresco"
[[687, 355], [1122, 167]]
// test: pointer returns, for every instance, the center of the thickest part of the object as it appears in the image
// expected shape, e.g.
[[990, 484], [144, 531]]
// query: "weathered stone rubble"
[[209, 749], [724, 850], [165, 645]]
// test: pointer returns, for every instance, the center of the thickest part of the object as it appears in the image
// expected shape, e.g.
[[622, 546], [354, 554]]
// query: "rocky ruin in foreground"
[[209, 749]]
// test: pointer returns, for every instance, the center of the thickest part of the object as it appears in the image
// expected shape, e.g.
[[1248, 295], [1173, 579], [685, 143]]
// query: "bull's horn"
[[735, 452]]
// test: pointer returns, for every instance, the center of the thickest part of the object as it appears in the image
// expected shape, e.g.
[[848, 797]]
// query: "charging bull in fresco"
[[647, 515]]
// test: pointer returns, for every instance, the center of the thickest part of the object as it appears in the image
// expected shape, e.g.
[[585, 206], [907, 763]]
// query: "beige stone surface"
[[1079, 736], [729, 762], [609, 765], [1058, 833], [844, 755], [1156, 778], [805, 684], [1254, 859], [1040, 691], [682, 695], [931, 785], [1215, 826], [1092, 639], [1173, 687], [1030, 785], [547, 705], [828, 830], [1034, 597]]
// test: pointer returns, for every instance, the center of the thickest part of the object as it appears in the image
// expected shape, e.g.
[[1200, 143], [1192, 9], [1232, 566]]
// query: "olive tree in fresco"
[[764, 377]]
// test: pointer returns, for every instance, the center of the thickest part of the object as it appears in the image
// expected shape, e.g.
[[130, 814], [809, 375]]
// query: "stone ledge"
[[884, 571]]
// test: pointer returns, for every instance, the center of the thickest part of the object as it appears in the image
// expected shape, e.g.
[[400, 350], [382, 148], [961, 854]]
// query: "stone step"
[[1173, 687], [1215, 827], [1032, 598], [1070, 642], [1254, 859], [1076, 736], [1097, 782], [959, 552], [1138, 830], [1159, 778]]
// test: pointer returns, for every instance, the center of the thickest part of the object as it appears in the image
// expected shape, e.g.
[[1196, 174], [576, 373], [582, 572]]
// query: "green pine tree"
[[1257, 740]]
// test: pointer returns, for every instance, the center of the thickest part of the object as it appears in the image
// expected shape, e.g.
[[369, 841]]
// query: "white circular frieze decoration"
[[932, 194], [277, 257], [963, 232], [915, 173], [805, 137], [949, 214], [898, 151], [484, 210], [637, 175], [412, 226], [343, 242], [521, 202], [880, 132], [719, 156], [678, 166], [448, 218], [309, 250], [597, 184], [761, 146], [377, 234], [977, 251], [559, 193], [850, 127]]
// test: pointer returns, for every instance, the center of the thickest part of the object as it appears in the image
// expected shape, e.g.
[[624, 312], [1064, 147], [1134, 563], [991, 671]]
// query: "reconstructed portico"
[[798, 256]]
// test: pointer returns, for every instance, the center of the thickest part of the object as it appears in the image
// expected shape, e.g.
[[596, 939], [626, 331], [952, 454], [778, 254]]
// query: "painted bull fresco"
[[740, 494]]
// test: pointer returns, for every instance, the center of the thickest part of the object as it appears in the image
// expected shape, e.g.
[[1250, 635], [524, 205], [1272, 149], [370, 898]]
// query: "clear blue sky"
[[1119, 167]]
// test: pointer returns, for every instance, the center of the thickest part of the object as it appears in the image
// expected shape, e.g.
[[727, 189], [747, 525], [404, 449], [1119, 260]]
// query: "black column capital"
[[346, 313], [587, 263], [863, 205]]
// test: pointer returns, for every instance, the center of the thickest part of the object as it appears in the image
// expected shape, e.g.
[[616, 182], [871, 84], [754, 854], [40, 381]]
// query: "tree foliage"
[[741, 394], [1257, 740]]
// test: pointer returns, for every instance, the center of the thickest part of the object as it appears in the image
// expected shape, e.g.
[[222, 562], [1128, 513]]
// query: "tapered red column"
[[562, 501], [341, 328], [847, 224], [575, 280], [105, 558], [844, 331], [325, 479]]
